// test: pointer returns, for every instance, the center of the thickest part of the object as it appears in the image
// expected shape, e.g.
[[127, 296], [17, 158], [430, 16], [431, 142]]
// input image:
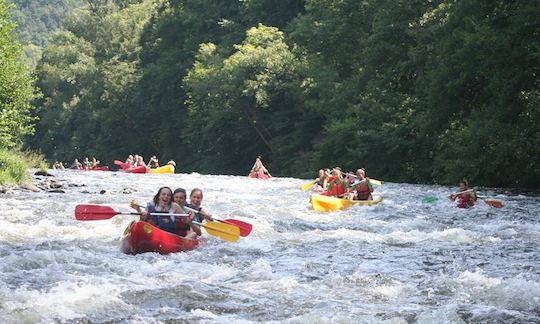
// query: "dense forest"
[[415, 91]]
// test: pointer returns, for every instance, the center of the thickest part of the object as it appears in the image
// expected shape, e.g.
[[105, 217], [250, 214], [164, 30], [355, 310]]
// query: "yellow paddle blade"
[[224, 231], [375, 182], [308, 185]]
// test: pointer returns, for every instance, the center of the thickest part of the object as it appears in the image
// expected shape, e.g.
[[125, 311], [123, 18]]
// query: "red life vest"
[[336, 189], [363, 190], [465, 200]]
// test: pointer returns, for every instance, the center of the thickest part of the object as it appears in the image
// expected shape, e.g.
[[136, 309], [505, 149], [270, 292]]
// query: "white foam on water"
[[68, 300]]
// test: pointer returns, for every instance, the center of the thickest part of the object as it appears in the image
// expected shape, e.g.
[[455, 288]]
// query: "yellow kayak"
[[163, 169], [328, 204]]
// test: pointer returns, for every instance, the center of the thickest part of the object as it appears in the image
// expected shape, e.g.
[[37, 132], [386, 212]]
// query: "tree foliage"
[[421, 91], [16, 86]]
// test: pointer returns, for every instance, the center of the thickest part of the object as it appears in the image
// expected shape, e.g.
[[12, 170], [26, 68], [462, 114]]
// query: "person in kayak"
[[322, 181], [162, 203], [465, 198], [195, 200], [87, 164], [258, 170], [76, 165], [95, 163], [185, 225], [153, 163], [336, 186], [362, 188]]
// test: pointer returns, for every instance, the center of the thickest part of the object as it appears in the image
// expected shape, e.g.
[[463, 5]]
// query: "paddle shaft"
[[245, 228]]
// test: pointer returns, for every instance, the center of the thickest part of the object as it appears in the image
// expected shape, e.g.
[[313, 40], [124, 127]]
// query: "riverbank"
[[15, 166]]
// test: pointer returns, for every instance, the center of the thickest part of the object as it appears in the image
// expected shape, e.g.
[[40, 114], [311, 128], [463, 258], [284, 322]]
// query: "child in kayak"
[[465, 198]]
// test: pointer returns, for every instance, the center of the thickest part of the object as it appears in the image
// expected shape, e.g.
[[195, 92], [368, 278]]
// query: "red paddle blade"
[[118, 162], [94, 212], [245, 228]]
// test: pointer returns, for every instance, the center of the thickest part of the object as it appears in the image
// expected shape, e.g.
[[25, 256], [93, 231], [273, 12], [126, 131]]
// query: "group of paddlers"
[[348, 185], [85, 165], [166, 203], [136, 160]]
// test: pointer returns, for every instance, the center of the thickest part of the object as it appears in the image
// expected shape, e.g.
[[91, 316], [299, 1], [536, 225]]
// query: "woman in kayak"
[[195, 200], [162, 203], [186, 225], [465, 198], [362, 188], [258, 170]]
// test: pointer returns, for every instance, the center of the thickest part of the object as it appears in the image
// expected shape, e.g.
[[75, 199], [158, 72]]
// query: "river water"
[[402, 261]]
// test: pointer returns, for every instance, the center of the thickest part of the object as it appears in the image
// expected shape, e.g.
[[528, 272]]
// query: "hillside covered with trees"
[[415, 91]]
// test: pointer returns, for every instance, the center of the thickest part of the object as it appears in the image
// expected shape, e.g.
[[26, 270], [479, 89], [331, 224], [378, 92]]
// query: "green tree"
[[16, 86], [247, 104]]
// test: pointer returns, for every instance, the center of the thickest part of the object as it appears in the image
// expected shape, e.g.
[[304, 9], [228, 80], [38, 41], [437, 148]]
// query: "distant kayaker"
[[139, 161], [163, 203], [87, 164], [58, 166], [465, 198], [195, 200], [362, 189], [76, 165], [153, 163], [95, 163], [258, 170]]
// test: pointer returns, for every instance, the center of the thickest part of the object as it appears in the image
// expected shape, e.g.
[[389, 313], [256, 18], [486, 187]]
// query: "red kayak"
[[259, 175], [138, 169], [100, 168], [141, 237]]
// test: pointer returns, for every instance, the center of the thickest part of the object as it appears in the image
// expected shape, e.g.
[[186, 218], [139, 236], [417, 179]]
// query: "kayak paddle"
[[224, 231], [90, 212], [429, 199], [307, 185], [245, 228], [492, 202]]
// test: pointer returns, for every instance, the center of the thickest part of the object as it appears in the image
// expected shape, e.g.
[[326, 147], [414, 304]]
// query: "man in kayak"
[[162, 203], [465, 198]]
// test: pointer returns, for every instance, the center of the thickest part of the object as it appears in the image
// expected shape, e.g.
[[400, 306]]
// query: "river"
[[402, 261]]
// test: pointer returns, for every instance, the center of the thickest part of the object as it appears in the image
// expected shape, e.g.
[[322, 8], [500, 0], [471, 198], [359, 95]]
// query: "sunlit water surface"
[[401, 261]]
